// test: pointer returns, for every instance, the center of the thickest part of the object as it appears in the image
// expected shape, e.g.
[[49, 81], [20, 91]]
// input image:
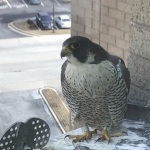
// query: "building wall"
[[105, 22], [122, 28]]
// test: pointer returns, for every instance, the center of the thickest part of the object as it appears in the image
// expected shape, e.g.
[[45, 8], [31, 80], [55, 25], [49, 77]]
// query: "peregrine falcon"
[[95, 85]]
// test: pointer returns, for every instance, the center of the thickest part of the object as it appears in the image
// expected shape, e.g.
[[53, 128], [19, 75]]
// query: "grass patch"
[[26, 27]]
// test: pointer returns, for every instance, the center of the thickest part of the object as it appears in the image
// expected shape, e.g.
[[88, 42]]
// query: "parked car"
[[44, 20], [66, 1], [63, 21], [35, 2]]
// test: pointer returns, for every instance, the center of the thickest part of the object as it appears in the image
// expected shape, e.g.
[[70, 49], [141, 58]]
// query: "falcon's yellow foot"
[[106, 136], [78, 138]]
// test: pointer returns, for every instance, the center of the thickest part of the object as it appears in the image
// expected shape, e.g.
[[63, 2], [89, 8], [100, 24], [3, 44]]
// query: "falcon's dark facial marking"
[[79, 46], [82, 47]]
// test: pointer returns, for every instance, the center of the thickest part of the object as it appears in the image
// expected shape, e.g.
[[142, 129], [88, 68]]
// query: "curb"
[[51, 110], [14, 28]]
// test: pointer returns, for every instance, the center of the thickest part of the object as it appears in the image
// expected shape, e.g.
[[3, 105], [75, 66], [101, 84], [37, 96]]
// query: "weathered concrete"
[[139, 59]]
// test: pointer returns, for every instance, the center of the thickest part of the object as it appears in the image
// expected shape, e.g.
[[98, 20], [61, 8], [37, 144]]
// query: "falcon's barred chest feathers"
[[94, 83]]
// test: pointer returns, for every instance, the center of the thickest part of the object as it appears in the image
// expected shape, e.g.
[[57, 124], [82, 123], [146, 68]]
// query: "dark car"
[[35, 2], [44, 20]]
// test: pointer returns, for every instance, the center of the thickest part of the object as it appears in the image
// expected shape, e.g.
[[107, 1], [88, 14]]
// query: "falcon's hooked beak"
[[65, 52]]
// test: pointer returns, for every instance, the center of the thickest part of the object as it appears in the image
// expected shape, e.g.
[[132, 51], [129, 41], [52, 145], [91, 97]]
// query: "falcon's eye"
[[75, 45]]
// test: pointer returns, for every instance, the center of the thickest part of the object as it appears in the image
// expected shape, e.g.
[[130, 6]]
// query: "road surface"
[[31, 63], [20, 9]]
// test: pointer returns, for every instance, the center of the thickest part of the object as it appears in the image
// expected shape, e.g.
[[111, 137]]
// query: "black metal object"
[[53, 17], [138, 113], [33, 134]]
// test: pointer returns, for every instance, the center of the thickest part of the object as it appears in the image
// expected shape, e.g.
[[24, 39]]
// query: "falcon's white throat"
[[74, 61]]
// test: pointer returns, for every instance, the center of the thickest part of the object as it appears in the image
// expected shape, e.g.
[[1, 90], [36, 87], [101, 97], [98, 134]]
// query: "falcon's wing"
[[117, 104], [125, 72]]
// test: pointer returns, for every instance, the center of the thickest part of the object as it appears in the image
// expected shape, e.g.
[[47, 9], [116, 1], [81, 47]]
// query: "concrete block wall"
[[139, 59], [108, 23], [105, 22]]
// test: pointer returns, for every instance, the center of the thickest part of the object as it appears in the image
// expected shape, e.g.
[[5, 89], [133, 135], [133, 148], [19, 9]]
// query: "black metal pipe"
[[53, 18]]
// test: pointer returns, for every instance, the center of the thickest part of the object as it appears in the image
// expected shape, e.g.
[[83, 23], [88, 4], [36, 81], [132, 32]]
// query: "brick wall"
[[107, 22]]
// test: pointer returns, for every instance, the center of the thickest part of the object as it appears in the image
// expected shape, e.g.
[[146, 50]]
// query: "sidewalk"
[[47, 39]]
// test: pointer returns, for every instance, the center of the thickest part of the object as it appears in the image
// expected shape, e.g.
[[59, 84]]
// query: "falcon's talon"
[[99, 139], [74, 141], [66, 137], [78, 138]]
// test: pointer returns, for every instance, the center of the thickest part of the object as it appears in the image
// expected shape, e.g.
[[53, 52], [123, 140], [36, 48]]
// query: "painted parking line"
[[42, 4], [57, 2], [56, 27], [4, 7], [37, 26], [25, 3], [8, 4]]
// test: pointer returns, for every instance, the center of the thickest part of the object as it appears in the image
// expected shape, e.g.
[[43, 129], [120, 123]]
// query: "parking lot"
[[8, 4], [13, 10]]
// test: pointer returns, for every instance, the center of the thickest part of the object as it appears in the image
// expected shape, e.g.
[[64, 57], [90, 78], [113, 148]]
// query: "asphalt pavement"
[[19, 106], [20, 9]]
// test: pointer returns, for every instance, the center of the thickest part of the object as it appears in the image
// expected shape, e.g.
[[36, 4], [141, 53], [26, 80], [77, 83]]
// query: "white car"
[[63, 21]]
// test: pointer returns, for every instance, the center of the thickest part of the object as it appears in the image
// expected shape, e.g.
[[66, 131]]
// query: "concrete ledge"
[[137, 139]]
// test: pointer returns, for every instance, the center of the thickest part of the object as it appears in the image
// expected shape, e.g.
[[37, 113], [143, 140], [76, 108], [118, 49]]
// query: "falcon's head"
[[80, 49]]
